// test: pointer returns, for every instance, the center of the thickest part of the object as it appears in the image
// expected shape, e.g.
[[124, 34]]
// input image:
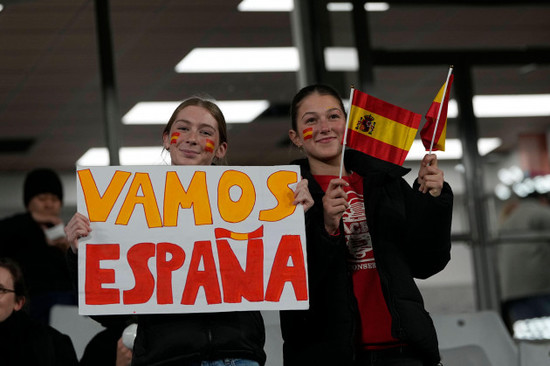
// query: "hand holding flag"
[[430, 177]]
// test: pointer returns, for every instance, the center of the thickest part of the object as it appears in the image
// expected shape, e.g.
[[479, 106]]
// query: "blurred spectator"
[[36, 240], [523, 266], [25, 341], [106, 348]]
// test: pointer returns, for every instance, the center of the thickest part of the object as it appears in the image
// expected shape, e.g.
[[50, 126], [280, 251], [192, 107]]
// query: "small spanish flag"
[[307, 133], [209, 147], [174, 137], [427, 133], [381, 129]]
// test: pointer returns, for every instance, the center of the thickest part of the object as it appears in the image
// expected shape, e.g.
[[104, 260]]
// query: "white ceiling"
[[50, 93]]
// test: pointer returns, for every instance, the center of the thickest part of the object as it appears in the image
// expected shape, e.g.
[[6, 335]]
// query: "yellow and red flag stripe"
[[209, 147], [224, 233], [381, 129], [427, 132], [307, 133], [174, 137]]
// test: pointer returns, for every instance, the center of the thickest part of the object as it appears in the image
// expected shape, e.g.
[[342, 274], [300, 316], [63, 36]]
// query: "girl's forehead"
[[319, 103], [196, 115]]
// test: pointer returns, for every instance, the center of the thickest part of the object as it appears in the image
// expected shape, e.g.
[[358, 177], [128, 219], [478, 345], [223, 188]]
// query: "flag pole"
[[441, 107], [346, 133]]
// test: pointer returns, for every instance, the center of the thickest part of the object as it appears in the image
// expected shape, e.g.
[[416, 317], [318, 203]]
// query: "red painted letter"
[[236, 282], [95, 276], [207, 278], [165, 268], [289, 247], [138, 256]]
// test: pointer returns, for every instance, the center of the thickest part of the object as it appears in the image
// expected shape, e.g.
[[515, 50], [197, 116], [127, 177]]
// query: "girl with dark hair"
[[369, 234]]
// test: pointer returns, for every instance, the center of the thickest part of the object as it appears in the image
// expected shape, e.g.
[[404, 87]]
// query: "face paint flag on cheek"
[[174, 137], [307, 133], [209, 147]]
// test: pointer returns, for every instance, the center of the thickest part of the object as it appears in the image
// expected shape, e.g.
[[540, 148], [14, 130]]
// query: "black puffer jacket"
[[25, 341], [171, 339], [411, 239]]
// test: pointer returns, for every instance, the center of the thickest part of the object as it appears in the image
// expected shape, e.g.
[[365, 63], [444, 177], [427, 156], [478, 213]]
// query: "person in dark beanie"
[[41, 181], [36, 240]]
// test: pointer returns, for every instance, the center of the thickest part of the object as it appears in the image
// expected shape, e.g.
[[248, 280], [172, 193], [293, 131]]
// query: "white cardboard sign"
[[184, 239]]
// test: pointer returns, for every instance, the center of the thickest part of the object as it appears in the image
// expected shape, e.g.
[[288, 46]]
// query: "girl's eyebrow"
[[204, 125], [328, 110], [201, 125], [306, 113]]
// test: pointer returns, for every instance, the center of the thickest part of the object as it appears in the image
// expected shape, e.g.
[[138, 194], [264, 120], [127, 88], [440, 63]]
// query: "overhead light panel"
[[288, 5], [341, 59], [453, 149], [266, 5], [494, 106], [149, 113], [235, 111], [235, 59], [242, 111], [150, 155], [369, 6], [522, 105]]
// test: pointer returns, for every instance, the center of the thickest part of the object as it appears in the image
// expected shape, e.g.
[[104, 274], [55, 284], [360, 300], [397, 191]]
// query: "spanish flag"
[[174, 137], [209, 147], [307, 133], [436, 141], [381, 129]]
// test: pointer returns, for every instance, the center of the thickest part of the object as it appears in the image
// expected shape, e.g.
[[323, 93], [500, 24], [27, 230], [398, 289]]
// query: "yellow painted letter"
[[230, 210], [278, 185], [147, 199], [99, 207], [196, 195]]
